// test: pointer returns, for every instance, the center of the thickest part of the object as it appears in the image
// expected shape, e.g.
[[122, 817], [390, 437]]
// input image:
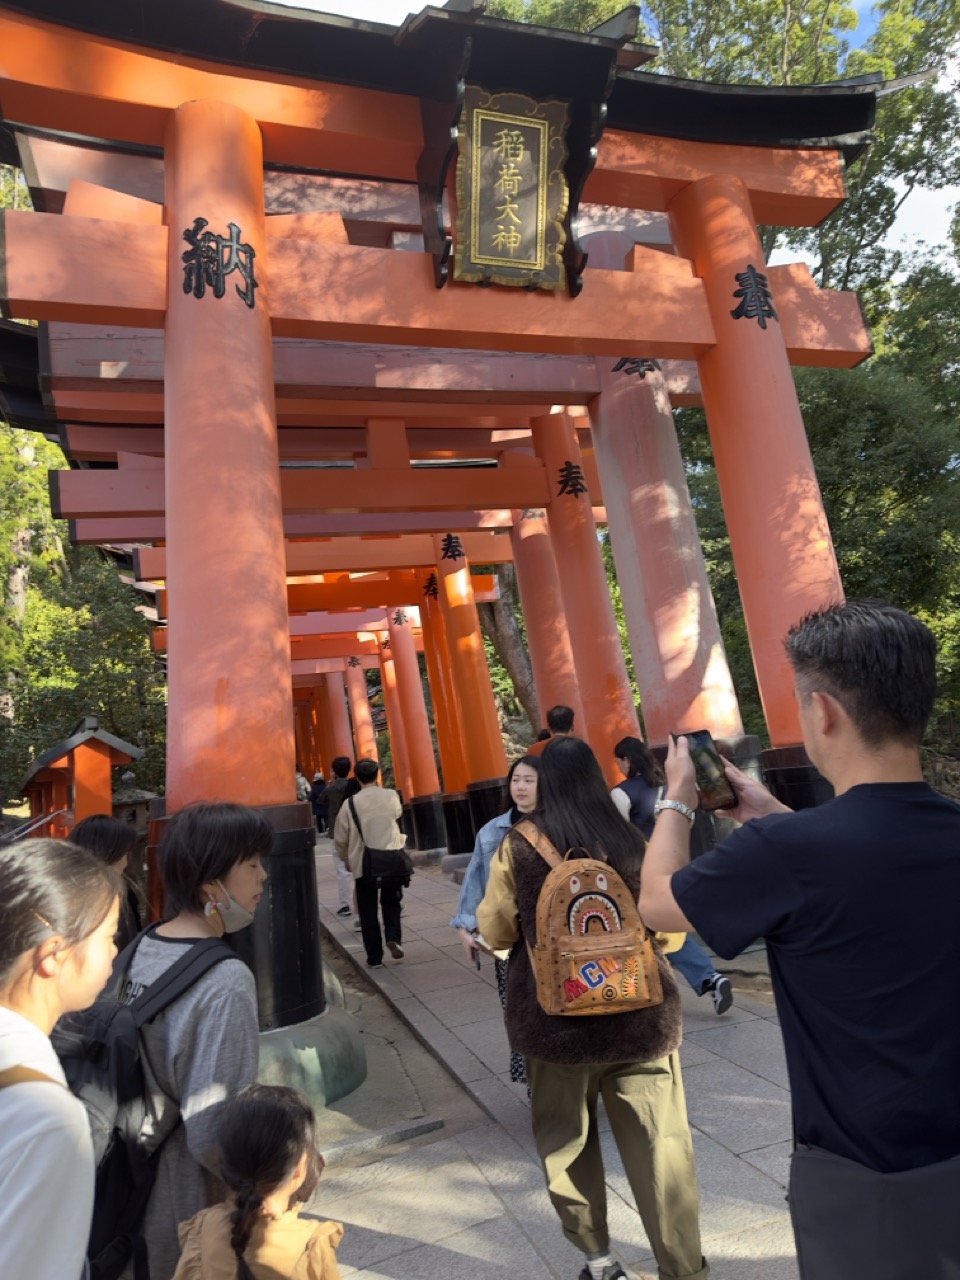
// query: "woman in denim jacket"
[[521, 793]]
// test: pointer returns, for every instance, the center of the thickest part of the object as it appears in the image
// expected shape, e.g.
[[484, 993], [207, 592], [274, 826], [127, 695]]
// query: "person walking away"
[[59, 909], [521, 799], [378, 810], [303, 786], [872, 1046], [334, 795], [318, 803], [635, 798], [268, 1159], [630, 1059], [113, 842], [203, 1048]]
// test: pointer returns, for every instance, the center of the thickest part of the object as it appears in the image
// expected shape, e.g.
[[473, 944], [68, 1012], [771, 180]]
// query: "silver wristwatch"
[[680, 807]]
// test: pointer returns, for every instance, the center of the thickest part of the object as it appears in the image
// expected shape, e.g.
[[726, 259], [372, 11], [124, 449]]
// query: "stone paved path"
[[474, 1205]]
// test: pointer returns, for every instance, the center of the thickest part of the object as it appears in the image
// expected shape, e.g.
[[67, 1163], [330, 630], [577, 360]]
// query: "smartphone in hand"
[[715, 791]]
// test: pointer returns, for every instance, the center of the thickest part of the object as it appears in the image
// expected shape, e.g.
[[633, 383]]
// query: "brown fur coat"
[[616, 1037]]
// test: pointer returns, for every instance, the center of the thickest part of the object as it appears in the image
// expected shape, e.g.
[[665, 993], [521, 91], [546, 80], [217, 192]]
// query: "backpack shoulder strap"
[[26, 1075], [533, 835], [180, 977], [356, 820]]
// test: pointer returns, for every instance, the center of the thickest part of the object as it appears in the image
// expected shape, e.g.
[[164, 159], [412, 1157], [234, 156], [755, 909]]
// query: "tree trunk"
[[499, 622]]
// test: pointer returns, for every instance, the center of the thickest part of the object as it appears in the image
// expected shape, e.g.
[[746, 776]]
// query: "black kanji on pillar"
[[451, 548], [431, 587], [756, 302], [571, 479], [353, 662], [626, 364], [386, 644], [399, 618], [211, 258]]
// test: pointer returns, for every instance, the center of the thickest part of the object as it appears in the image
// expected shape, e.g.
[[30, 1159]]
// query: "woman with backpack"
[[59, 908], [635, 798], [203, 1048], [630, 1059]]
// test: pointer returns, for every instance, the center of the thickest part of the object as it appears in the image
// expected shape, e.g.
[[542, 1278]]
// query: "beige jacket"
[[379, 810], [287, 1248]]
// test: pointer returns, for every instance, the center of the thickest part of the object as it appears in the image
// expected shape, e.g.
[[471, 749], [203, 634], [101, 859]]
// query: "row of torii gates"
[[310, 458]]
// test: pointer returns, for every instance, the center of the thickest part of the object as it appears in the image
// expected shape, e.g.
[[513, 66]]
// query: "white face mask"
[[232, 915]]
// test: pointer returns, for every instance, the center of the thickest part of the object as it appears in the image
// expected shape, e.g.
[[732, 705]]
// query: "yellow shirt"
[[286, 1248]]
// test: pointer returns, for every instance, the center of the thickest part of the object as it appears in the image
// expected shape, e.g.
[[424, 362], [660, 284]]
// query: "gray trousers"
[[648, 1116], [851, 1221]]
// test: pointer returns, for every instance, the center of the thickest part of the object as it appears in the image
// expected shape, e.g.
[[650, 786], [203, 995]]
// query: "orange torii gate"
[[224, 282]]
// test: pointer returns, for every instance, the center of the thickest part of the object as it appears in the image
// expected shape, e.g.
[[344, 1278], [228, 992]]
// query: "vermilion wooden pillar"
[[548, 638], [342, 743], [301, 734], [425, 811], [395, 726], [230, 699], [483, 745], [416, 724], [443, 690], [779, 536], [601, 669], [321, 719], [363, 730]]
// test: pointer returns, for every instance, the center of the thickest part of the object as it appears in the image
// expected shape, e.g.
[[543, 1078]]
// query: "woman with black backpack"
[[59, 908], [628, 1058]]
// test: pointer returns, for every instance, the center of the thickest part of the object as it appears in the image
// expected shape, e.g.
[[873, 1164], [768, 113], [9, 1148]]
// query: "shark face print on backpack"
[[593, 954]]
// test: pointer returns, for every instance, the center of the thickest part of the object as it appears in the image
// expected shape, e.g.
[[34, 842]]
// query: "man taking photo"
[[857, 901]]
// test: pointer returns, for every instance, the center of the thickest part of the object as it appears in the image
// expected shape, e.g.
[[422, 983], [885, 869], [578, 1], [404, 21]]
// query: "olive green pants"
[[648, 1116]]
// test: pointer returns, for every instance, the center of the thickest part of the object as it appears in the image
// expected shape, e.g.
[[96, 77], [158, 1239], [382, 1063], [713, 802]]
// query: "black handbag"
[[382, 864]]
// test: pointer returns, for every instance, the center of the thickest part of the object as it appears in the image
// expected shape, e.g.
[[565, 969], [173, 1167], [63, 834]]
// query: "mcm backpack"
[[593, 954]]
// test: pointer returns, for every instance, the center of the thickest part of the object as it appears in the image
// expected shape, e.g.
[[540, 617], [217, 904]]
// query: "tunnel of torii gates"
[[330, 311]]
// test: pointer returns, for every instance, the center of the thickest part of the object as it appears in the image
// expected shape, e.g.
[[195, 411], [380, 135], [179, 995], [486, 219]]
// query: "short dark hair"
[[560, 718], [340, 765], [878, 661], [640, 760], [105, 836], [203, 842], [50, 886], [366, 771]]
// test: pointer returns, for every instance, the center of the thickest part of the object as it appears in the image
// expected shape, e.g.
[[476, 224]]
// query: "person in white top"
[[59, 910]]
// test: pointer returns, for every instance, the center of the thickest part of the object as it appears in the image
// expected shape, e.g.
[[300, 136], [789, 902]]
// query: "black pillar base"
[[282, 946], [793, 779], [458, 823], [486, 800], [406, 825], [428, 832]]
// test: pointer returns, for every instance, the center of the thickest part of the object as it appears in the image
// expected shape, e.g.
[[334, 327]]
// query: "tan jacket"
[[379, 809], [287, 1248]]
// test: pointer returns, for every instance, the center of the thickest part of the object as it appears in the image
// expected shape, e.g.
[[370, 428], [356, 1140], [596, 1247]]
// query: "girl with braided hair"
[[270, 1163]]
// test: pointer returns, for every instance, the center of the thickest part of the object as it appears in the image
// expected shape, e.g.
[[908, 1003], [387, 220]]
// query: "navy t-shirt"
[[859, 903]]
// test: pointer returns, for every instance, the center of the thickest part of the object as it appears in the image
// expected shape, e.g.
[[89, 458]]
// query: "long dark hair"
[[534, 763], [50, 885], [640, 760], [262, 1135], [574, 809]]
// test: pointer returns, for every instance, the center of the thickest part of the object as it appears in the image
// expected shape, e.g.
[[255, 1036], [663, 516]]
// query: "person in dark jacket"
[[631, 1059], [335, 794], [318, 803], [635, 798], [113, 842]]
